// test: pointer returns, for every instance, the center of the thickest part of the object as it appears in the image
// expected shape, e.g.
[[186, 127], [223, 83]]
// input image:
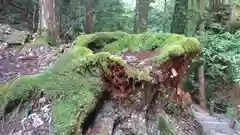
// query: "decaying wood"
[[235, 93], [168, 74]]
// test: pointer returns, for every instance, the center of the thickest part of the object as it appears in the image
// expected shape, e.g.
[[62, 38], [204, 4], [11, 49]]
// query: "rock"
[[212, 125], [17, 133], [38, 48], [28, 57], [3, 46], [8, 31], [17, 37], [1, 36]]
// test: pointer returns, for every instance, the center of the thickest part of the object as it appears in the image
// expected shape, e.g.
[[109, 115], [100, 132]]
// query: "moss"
[[45, 38], [167, 44], [69, 84], [140, 74], [164, 127], [40, 40], [101, 37], [35, 42], [72, 93], [177, 48]]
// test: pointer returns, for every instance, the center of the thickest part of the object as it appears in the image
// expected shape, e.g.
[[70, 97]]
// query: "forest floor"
[[29, 60], [16, 60]]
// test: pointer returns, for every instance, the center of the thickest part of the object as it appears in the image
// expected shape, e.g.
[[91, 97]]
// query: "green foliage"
[[222, 56], [168, 45], [164, 127], [156, 18], [71, 93], [111, 15], [71, 16]]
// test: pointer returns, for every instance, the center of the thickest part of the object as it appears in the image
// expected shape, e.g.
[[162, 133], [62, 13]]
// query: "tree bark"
[[165, 16], [88, 19], [35, 17], [202, 99], [234, 23], [135, 27], [141, 16], [47, 20], [4, 3], [179, 22]]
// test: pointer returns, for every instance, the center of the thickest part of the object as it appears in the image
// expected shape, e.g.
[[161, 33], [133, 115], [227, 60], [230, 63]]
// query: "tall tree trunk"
[[194, 16], [135, 27], [35, 16], [165, 16], [88, 19], [202, 99], [141, 16], [47, 21], [4, 3], [234, 22], [1, 5], [215, 5], [179, 22]]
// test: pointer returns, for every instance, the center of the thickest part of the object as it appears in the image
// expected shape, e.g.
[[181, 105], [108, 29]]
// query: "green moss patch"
[[40, 40], [167, 44], [72, 93], [164, 126]]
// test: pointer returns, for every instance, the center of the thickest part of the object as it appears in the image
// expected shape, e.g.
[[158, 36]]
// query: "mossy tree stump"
[[74, 83]]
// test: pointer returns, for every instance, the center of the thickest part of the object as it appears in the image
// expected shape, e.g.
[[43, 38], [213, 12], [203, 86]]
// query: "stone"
[[17, 37], [38, 48], [212, 125]]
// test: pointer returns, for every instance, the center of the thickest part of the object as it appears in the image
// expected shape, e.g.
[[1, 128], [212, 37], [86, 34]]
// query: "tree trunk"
[[1, 5], [4, 3], [179, 22], [194, 18], [35, 17], [135, 28], [47, 21], [215, 5], [202, 99], [165, 16], [141, 17], [234, 22], [88, 19]]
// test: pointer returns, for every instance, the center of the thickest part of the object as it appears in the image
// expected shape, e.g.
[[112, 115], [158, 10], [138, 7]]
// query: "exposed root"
[[151, 105], [168, 74], [90, 119], [12, 105], [117, 121]]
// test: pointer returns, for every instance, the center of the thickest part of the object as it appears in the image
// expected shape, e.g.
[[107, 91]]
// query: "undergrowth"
[[221, 58]]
